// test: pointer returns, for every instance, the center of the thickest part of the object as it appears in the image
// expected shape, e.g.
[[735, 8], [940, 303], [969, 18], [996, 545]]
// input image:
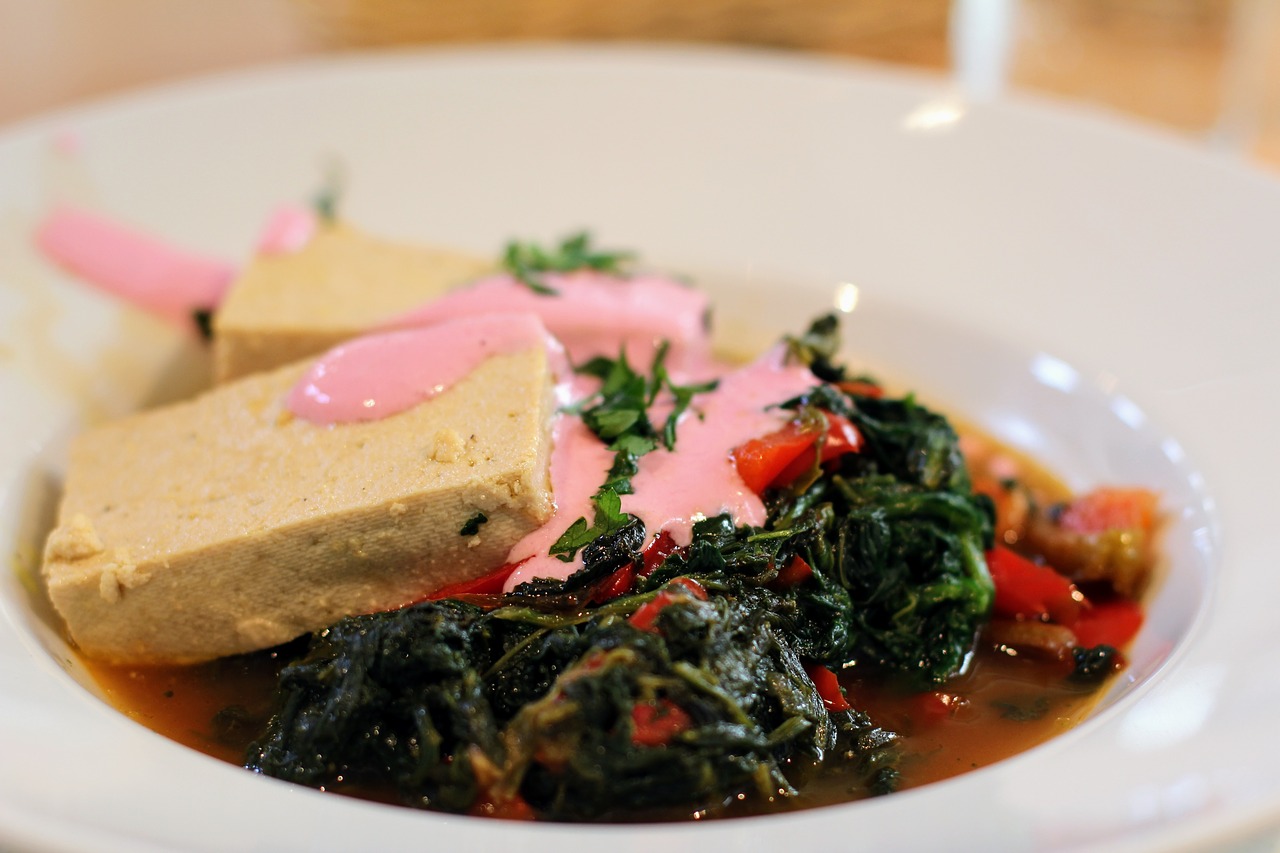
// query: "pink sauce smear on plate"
[[159, 278]]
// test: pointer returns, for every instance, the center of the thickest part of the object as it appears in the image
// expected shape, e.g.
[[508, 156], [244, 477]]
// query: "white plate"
[[1102, 295]]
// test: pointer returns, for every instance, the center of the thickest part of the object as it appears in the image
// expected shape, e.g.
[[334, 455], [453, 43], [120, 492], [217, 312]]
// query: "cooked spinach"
[[203, 320], [547, 699], [445, 703]]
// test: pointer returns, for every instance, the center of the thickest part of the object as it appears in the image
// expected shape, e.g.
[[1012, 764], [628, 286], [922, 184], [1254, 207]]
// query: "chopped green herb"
[[583, 711], [527, 262], [619, 415], [326, 200], [203, 318], [472, 525], [609, 518], [818, 347]]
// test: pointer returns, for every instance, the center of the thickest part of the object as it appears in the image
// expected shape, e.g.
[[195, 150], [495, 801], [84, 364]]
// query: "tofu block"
[[341, 284], [224, 524]]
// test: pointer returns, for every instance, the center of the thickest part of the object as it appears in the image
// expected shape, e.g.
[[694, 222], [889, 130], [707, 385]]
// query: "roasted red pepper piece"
[[780, 457], [512, 808], [828, 686], [656, 723], [934, 707], [647, 613], [761, 460], [490, 584], [864, 389], [842, 437], [656, 552], [1026, 590], [1109, 623], [618, 583], [794, 573], [1110, 509]]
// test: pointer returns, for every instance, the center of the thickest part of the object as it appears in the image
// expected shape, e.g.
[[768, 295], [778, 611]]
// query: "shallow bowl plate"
[[1093, 292]]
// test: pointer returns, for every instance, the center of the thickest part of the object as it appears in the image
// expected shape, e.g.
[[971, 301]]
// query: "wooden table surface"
[[1206, 68]]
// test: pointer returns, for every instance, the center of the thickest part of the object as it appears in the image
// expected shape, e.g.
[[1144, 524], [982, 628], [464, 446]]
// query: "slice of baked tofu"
[[224, 524], [342, 283]]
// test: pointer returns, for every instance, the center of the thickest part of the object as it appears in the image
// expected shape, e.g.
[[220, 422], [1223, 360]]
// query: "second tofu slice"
[[340, 284], [224, 524]]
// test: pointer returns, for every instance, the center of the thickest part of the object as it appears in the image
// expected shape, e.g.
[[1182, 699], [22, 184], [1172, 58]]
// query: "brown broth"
[[1002, 706]]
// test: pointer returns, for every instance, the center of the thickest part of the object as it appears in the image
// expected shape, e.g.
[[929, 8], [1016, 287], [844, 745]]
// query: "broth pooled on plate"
[[527, 548]]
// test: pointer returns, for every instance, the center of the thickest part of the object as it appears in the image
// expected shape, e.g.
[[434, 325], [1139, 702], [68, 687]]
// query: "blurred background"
[[1209, 69]]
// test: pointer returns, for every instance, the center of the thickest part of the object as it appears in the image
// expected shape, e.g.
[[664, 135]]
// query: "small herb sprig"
[[527, 262], [328, 197], [619, 415]]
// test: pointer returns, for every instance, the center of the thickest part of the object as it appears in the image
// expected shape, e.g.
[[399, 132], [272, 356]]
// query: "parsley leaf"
[[818, 347], [619, 414], [325, 201], [528, 261], [472, 525], [609, 519], [681, 394], [203, 319]]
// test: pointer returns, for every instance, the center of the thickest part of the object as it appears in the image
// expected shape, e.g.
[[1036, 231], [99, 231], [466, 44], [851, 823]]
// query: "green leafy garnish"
[[472, 525], [609, 518], [325, 201], [818, 347], [619, 415], [619, 410], [527, 262], [545, 697], [203, 318]]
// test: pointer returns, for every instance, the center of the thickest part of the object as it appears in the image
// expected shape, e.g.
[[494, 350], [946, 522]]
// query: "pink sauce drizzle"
[[594, 314], [159, 278], [672, 488], [380, 375], [289, 229], [579, 464]]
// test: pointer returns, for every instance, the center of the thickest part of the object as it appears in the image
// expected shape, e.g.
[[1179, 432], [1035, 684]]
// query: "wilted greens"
[[696, 685]]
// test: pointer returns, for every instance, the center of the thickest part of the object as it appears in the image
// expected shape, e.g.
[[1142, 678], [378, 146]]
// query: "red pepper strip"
[[655, 724], [864, 389], [933, 708], [490, 584], [618, 583], [761, 460], [828, 687], [794, 573], [656, 553], [1025, 590], [842, 437], [1110, 509], [514, 808], [648, 612], [1111, 623]]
